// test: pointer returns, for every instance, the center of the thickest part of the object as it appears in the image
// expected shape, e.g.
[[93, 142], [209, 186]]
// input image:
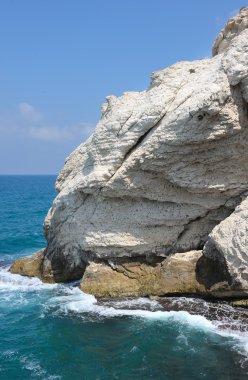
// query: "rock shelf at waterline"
[[155, 201]]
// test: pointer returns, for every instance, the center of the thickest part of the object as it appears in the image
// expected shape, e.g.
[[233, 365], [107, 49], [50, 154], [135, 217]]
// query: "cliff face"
[[163, 168]]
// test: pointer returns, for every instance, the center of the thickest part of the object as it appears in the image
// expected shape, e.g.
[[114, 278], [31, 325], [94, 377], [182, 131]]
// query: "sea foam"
[[12, 282]]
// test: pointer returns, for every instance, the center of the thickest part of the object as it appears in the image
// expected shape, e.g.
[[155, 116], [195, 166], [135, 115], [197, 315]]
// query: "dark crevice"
[[136, 145], [237, 96], [176, 247], [210, 271]]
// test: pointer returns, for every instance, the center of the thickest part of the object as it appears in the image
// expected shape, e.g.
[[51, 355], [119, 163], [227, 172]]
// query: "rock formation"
[[30, 266], [163, 169], [176, 274]]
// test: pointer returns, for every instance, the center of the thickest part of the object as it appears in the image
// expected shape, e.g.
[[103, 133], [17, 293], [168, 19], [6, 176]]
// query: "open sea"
[[53, 332]]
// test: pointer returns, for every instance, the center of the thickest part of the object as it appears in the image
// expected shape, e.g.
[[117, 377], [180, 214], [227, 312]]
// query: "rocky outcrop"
[[175, 275], [163, 168], [30, 266], [233, 27]]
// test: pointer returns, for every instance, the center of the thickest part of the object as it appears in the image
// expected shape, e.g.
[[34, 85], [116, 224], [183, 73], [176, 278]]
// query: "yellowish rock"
[[176, 274], [240, 303], [29, 266]]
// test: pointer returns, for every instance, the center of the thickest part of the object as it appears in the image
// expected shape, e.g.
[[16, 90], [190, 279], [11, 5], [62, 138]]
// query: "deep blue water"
[[57, 332]]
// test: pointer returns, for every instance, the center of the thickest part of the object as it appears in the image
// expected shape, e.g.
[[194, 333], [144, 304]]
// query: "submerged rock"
[[163, 168]]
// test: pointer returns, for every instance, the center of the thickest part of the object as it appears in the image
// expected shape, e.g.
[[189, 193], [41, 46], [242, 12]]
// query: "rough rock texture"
[[176, 274], [228, 245], [162, 169], [29, 266], [233, 27]]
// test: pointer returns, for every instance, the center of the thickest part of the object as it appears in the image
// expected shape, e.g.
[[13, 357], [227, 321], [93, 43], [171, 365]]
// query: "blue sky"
[[61, 58]]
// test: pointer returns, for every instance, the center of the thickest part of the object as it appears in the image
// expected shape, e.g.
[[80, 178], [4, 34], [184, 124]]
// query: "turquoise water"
[[57, 332]]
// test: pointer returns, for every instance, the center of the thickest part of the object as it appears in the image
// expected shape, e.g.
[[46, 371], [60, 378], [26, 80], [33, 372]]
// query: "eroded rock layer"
[[176, 274]]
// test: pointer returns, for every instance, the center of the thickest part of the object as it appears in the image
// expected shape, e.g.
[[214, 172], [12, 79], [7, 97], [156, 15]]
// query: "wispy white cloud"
[[61, 134], [29, 113], [48, 133], [30, 123]]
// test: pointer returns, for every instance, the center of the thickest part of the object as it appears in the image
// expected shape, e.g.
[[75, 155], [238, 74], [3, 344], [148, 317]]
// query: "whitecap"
[[12, 282], [80, 303]]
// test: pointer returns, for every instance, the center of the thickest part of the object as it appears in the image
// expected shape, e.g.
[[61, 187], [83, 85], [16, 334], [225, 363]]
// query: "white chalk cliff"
[[163, 169]]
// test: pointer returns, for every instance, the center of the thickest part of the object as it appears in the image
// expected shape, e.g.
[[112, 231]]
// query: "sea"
[[54, 332]]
